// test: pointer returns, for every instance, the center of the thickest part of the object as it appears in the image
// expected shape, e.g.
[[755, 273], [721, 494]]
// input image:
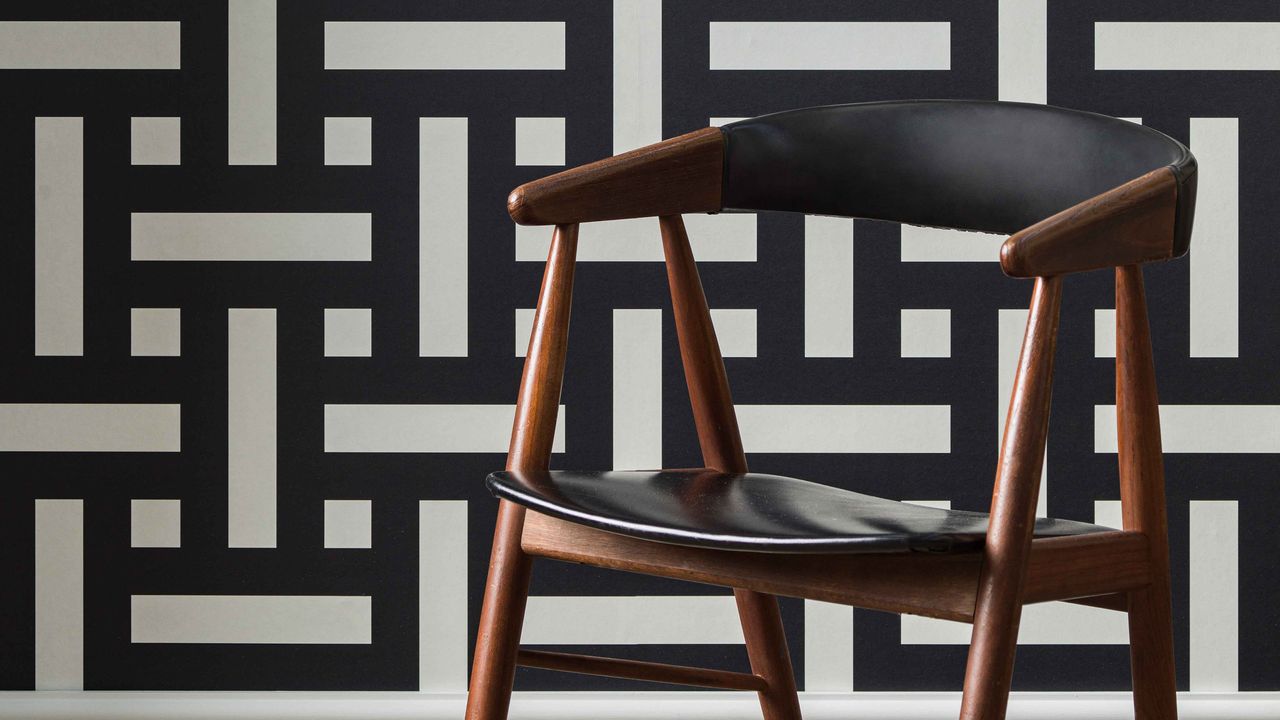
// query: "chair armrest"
[[1129, 224], [680, 175]]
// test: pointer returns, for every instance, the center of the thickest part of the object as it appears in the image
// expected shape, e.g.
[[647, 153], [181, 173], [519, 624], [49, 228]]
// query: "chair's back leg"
[[998, 608], [507, 588], [767, 650], [1143, 501], [722, 450]]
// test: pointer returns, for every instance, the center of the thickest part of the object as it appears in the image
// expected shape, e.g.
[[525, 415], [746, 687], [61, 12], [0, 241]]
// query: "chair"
[[1076, 191]]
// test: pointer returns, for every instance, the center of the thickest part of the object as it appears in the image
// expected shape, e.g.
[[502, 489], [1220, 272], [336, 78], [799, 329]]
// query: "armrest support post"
[[704, 373], [998, 605], [539, 402]]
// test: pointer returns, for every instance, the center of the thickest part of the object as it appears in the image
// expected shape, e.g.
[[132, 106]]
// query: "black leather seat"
[[751, 511]]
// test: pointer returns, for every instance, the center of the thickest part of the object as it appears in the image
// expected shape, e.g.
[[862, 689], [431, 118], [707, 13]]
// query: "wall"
[[264, 311]]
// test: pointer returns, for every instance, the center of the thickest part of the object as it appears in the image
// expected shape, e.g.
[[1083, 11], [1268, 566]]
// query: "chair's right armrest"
[[681, 175], [1129, 224]]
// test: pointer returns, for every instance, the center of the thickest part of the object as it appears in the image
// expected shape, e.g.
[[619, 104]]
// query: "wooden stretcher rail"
[[640, 670]]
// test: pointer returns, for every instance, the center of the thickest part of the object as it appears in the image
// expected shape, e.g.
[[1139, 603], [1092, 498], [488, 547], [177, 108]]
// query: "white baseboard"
[[596, 706]]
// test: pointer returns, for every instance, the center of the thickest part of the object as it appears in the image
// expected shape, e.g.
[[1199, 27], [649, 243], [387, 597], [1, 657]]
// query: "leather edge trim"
[[1187, 172]]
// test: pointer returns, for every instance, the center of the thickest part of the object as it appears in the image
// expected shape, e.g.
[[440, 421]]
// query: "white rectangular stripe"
[[442, 595], [524, 329], [1104, 333], [90, 427], [442, 237], [735, 331], [637, 73], [251, 82], [1108, 513], [1215, 254], [1042, 624], [1214, 649], [828, 287], [234, 236], [251, 619], [424, 428], [828, 647], [1186, 46], [444, 45], [90, 45], [59, 230], [631, 620], [927, 244], [729, 237], [1023, 50], [1201, 428], [940, 504], [830, 45], [845, 428], [637, 389], [251, 428], [59, 594]]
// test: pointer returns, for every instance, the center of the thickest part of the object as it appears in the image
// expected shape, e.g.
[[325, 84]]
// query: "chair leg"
[[990, 669], [767, 650], [1151, 653], [501, 619]]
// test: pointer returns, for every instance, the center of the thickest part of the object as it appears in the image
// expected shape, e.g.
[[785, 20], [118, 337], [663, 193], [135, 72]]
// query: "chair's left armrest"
[[1130, 224], [680, 175]]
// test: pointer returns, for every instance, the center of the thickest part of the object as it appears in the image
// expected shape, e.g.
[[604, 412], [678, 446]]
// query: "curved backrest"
[[972, 165]]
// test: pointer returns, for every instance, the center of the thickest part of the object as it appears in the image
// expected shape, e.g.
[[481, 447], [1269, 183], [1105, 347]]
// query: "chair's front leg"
[[501, 618], [998, 607], [532, 437], [991, 651]]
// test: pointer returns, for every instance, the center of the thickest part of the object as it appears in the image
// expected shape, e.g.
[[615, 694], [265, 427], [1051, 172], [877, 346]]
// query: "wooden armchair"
[[1077, 191]]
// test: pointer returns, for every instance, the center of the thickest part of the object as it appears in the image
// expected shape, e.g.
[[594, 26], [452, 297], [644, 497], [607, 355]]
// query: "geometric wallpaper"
[[264, 314]]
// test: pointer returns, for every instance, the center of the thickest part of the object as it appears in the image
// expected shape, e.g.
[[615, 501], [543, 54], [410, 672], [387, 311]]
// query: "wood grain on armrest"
[[1130, 224], [680, 175]]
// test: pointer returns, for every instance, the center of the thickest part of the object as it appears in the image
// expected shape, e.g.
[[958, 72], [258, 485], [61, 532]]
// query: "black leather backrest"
[[973, 165]]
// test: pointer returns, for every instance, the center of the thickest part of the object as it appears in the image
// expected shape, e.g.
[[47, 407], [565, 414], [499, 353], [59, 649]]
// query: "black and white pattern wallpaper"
[[264, 314]]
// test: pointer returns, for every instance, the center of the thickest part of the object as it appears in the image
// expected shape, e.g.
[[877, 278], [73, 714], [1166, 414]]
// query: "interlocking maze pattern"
[[262, 298]]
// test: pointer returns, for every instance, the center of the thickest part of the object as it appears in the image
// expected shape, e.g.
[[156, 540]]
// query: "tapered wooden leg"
[[532, 436], [998, 606], [1155, 693], [990, 668], [767, 649], [501, 618], [1143, 500]]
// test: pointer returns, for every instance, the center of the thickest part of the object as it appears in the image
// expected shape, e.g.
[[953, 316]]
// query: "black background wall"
[[1221, 466]]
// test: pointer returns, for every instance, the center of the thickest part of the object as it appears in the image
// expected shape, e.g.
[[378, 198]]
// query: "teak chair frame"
[[1126, 570]]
